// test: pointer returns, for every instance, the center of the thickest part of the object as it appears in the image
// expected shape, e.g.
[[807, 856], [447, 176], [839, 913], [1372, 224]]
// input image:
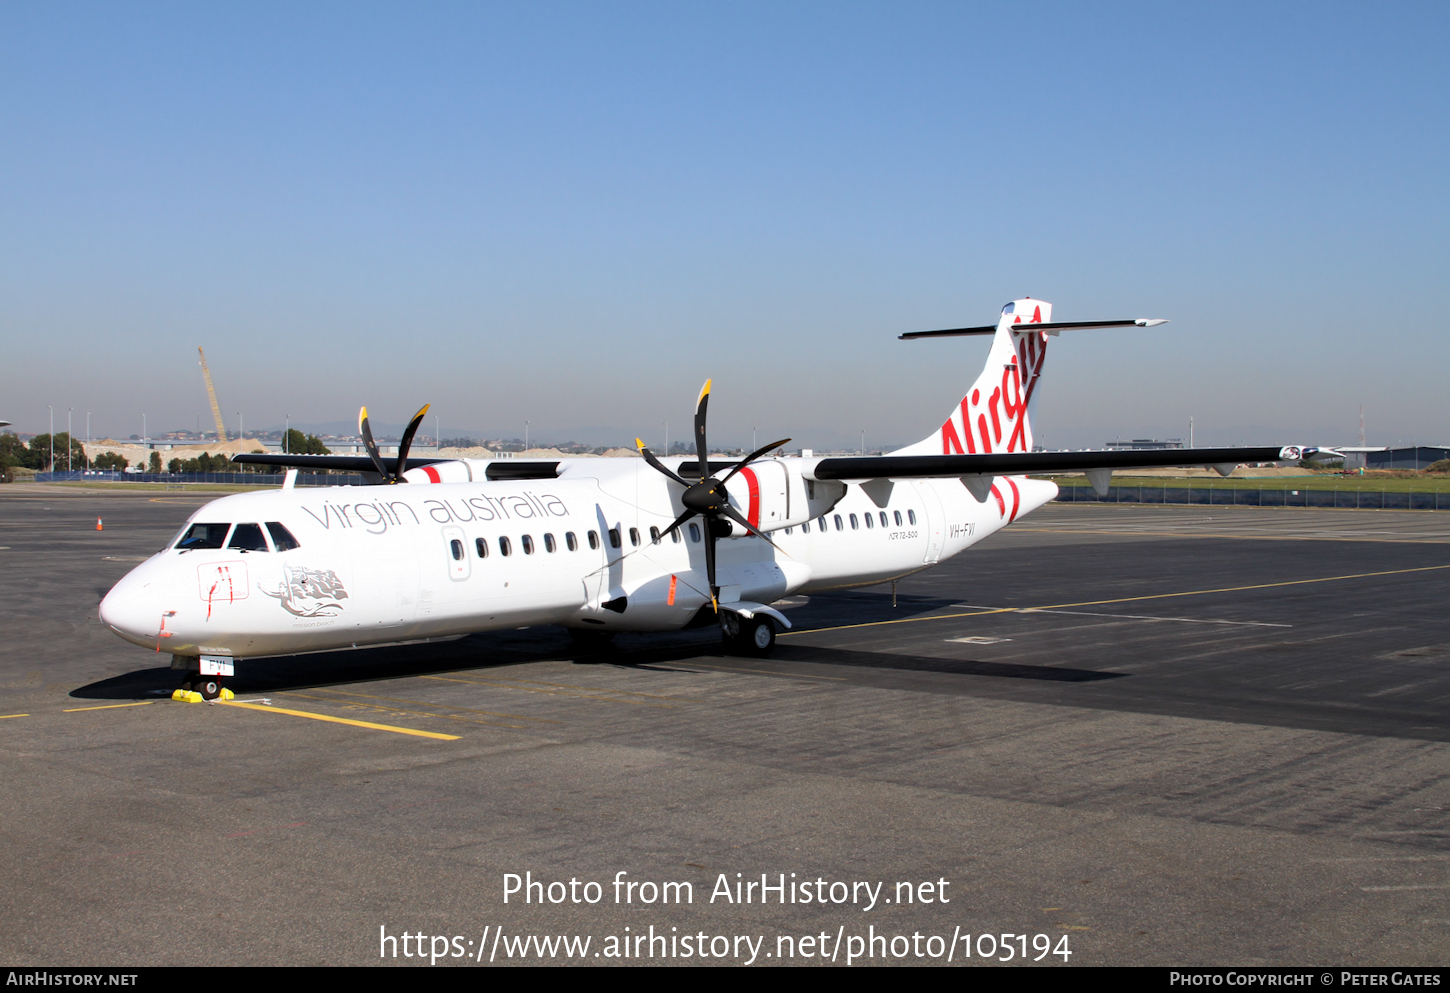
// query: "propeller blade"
[[655, 463], [734, 515], [407, 442], [752, 457], [701, 448], [678, 521], [710, 565], [366, 431]]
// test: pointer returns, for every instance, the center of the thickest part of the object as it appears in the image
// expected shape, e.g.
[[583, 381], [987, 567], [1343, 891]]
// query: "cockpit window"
[[281, 537], [203, 536], [248, 538], [1010, 307]]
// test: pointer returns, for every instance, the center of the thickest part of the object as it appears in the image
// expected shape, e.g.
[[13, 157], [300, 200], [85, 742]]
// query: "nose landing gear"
[[199, 689]]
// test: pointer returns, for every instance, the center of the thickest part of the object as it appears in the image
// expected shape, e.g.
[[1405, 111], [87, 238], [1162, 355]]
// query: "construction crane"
[[216, 410]]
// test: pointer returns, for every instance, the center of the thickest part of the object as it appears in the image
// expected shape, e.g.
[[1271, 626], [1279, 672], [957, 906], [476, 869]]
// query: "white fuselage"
[[382, 564]]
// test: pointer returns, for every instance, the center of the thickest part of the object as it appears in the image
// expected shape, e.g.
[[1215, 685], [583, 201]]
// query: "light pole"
[[286, 431], [88, 427], [68, 466], [526, 436], [143, 430], [241, 430], [51, 467]]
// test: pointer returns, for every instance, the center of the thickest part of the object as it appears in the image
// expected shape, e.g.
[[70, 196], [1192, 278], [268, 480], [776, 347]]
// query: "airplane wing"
[[504, 469], [341, 463], [1019, 463]]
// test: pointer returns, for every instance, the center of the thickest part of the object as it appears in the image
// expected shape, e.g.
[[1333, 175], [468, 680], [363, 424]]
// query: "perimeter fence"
[[1257, 496], [244, 478]]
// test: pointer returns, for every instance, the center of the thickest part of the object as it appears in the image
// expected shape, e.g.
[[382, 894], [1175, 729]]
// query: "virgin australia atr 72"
[[604, 545]]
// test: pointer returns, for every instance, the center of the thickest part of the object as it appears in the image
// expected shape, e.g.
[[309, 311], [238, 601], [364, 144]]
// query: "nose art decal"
[[309, 592]]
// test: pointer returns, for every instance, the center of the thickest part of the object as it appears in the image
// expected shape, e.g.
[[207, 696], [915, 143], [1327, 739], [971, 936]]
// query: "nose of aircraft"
[[130, 612]]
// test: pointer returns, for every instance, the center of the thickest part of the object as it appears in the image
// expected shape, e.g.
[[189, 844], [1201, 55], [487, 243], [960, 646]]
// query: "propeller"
[[394, 475], [708, 498]]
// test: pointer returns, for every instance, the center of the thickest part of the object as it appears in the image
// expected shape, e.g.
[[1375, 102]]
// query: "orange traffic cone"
[[98, 524]]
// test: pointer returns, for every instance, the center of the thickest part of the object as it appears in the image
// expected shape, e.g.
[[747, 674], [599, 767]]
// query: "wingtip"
[[639, 443], [704, 392]]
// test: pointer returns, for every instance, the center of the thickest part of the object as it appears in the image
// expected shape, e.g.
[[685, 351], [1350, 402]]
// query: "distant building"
[[1407, 457], [1144, 445]]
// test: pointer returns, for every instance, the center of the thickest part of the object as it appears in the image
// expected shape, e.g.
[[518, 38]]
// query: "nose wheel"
[[197, 689]]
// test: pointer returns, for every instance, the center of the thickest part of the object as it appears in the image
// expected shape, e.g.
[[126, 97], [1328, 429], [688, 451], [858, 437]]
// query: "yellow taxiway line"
[[6, 717], [342, 720], [109, 706], [1126, 599]]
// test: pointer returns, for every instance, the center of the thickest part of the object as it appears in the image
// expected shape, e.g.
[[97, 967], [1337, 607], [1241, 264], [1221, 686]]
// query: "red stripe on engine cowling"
[[754, 515], [433, 476]]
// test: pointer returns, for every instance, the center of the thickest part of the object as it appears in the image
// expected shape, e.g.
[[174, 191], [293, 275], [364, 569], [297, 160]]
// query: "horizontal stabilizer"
[[1053, 327], [1020, 463]]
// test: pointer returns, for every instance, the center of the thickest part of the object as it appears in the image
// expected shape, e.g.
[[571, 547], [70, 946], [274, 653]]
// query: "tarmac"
[[1153, 735]]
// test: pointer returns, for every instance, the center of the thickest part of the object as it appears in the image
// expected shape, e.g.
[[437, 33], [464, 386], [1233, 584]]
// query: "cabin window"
[[898, 517], [911, 516], [838, 522], [695, 532], [654, 535], [870, 523], [504, 546], [455, 548], [571, 542], [675, 536], [614, 537], [527, 544], [806, 527], [634, 537], [883, 519], [549, 545], [204, 536], [248, 538], [787, 530], [281, 538], [480, 545], [821, 523], [855, 525], [593, 539]]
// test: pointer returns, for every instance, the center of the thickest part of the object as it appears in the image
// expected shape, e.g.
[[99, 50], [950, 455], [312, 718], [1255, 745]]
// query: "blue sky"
[[572, 214]]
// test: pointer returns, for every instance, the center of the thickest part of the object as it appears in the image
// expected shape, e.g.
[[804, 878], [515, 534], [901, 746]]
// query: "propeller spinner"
[[708, 498], [394, 475]]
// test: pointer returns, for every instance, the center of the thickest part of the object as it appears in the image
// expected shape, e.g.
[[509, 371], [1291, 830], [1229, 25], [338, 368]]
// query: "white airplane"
[[603, 545]]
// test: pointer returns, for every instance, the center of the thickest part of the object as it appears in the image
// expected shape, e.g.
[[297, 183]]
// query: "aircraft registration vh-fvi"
[[603, 545]]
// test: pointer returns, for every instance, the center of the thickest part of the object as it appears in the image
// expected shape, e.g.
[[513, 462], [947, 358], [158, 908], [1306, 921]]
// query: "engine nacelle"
[[442, 472], [774, 494]]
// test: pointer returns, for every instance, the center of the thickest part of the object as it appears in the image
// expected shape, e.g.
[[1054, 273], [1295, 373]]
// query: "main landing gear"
[[751, 636]]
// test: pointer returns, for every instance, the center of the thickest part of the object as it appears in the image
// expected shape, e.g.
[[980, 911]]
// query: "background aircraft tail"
[[995, 414]]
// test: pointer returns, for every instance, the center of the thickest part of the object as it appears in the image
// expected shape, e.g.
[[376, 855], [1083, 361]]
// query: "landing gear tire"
[[755, 637], [209, 687], [759, 636]]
